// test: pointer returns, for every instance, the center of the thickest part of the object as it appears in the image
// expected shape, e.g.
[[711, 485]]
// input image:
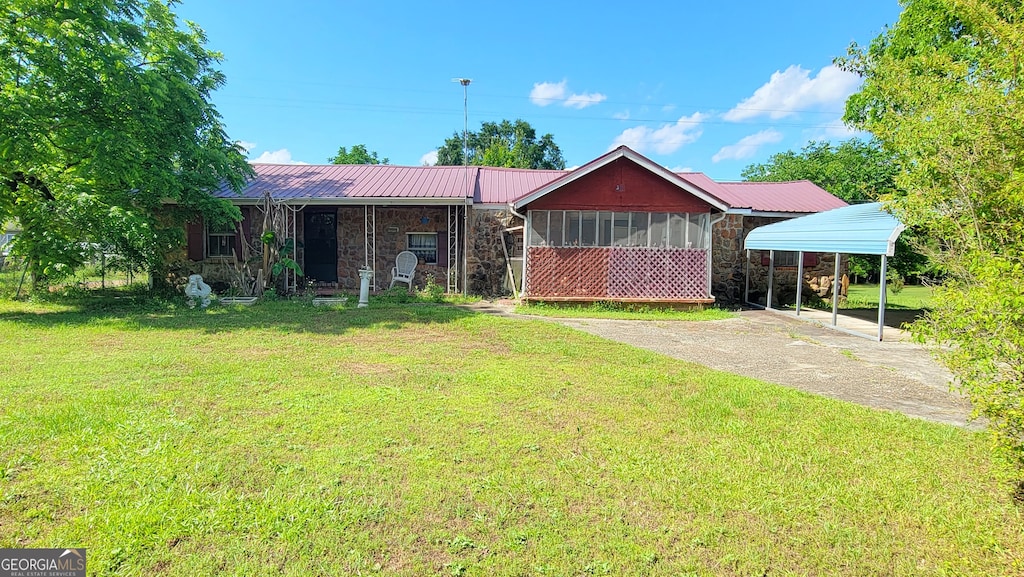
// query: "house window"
[[572, 228], [783, 258], [220, 242], [789, 259], [424, 246], [5, 240]]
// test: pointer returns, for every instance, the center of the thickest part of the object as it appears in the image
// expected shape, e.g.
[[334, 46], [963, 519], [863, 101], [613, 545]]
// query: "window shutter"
[[239, 232], [194, 240], [766, 258], [810, 259], [442, 248]]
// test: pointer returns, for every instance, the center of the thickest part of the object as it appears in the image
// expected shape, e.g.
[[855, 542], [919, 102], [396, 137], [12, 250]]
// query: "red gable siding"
[[623, 186]]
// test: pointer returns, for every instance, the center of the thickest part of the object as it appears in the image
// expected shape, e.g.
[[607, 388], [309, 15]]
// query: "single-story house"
[[620, 227]]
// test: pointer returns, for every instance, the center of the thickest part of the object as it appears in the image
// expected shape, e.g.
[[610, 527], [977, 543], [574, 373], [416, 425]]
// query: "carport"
[[857, 229]]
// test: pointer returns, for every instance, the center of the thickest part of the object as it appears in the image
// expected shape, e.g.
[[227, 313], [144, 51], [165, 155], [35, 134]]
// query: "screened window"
[[424, 246], [220, 242], [786, 258], [659, 230], [620, 229], [588, 228], [574, 228], [638, 223], [556, 222], [604, 229], [538, 228], [677, 230], [696, 231]]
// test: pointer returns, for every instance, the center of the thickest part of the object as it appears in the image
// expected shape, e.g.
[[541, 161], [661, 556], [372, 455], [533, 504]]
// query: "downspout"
[[526, 247]]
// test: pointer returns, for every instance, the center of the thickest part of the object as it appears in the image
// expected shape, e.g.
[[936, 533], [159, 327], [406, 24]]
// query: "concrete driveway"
[[895, 375]]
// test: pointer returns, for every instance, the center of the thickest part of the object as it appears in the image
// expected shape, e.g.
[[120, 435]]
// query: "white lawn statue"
[[197, 290]]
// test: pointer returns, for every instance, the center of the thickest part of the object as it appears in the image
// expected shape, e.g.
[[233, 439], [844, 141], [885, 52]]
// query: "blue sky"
[[710, 86]]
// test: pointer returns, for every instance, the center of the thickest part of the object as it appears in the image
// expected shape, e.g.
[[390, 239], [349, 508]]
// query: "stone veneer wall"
[[392, 226], [486, 262], [784, 288], [728, 266], [727, 260]]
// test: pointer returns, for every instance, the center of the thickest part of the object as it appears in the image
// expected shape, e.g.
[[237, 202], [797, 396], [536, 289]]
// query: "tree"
[[107, 133], [855, 171], [508, 144], [358, 155], [943, 91]]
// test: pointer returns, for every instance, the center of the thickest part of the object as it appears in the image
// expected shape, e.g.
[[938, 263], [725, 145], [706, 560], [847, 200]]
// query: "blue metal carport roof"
[[855, 229]]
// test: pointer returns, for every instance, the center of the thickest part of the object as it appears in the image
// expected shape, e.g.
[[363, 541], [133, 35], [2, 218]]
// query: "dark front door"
[[320, 244]]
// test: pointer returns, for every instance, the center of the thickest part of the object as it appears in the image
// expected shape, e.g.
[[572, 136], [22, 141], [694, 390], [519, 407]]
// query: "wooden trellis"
[[618, 273]]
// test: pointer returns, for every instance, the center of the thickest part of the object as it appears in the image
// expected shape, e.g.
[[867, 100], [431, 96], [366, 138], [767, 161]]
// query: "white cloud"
[[668, 108], [793, 90], [429, 159], [681, 169], [581, 101], [545, 93], [664, 140], [276, 157], [747, 146], [246, 145], [624, 115]]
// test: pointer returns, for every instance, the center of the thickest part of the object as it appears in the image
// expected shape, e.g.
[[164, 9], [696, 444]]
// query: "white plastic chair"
[[404, 269]]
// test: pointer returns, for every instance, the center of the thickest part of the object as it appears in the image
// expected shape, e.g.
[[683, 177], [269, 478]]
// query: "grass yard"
[[912, 297], [288, 439]]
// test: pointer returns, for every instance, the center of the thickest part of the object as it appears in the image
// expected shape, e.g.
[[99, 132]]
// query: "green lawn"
[[910, 297], [288, 439]]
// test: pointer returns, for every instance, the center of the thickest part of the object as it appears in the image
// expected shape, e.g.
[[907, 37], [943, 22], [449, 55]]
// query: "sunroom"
[[621, 228]]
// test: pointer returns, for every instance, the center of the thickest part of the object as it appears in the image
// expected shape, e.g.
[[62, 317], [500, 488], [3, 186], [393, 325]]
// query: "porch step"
[[327, 301], [328, 291]]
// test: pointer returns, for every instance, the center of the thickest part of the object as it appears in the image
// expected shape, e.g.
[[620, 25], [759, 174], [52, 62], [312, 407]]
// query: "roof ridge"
[[762, 182]]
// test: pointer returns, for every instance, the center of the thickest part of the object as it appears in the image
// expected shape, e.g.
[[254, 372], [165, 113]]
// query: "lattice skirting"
[[646, 273]]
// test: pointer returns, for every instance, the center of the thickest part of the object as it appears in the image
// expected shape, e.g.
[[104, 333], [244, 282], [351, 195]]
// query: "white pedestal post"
[[365, 274]]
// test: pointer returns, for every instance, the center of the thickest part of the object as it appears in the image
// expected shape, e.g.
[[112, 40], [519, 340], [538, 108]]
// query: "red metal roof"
[[503, 185], [491, 185], [340, 181], [799, 196]]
